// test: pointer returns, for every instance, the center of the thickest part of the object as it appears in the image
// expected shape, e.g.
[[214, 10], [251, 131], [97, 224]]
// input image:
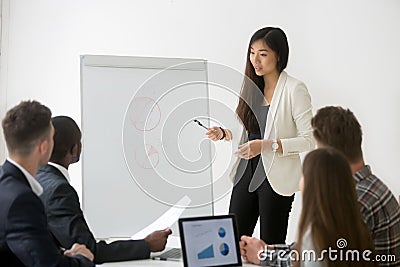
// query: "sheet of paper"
[[165, 220]]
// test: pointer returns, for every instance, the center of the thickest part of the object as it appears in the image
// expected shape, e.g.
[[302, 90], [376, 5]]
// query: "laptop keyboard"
[[173, 253]]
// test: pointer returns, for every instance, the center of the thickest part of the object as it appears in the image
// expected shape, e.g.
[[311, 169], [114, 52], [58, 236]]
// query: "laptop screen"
[[210, 241]]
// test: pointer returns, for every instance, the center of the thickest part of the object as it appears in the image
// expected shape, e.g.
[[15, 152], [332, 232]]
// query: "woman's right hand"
[[214, 133]]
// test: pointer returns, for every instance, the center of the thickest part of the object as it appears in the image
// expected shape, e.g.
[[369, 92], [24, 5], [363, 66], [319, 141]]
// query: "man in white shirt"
[[24, 237]]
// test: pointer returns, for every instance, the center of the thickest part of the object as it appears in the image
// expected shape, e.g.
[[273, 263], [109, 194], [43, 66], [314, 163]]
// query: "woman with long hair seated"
[[331, 230]]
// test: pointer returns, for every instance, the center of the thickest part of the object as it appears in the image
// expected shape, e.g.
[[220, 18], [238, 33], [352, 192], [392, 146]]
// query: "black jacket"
[[68, 225], [24, 238]]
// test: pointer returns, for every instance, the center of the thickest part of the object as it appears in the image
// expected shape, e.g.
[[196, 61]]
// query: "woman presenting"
[[275, 110]]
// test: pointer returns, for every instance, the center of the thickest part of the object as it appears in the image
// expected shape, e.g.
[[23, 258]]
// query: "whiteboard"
[[142, 152]]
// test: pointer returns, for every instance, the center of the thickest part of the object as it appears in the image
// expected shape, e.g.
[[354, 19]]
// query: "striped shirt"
[[381, 212]]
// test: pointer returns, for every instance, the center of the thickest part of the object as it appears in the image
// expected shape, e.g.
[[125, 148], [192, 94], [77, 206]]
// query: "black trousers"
[[272, 208]]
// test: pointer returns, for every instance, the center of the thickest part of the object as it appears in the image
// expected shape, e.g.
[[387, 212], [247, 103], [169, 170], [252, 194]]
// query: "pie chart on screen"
[[224, 249], [221, 232]]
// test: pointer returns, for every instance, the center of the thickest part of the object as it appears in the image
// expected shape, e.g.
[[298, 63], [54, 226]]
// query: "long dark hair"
[[253, 85], [330, 207]]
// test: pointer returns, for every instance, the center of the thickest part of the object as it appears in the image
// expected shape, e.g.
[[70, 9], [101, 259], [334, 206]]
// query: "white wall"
[[346, 52], [3, 68]]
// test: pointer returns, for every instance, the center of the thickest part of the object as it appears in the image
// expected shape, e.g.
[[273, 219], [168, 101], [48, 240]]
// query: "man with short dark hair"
[[24, 237], [65, 217], [338, 127]]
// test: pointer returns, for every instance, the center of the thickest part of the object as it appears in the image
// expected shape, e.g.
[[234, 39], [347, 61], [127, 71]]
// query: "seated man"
[[65, 217], [24, 237], [338, 128]]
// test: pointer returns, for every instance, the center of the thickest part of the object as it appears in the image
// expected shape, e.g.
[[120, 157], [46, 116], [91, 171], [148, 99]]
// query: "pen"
[[199, 123]]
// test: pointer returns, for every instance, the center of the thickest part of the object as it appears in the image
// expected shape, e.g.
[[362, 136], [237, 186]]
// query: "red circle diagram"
[[144, 113], [149, 159]]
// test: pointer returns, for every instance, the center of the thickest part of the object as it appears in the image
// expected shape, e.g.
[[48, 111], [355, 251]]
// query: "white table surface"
[[145, 263]]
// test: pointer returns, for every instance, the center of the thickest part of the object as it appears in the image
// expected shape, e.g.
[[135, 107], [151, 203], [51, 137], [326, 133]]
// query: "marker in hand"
[[199, 123]]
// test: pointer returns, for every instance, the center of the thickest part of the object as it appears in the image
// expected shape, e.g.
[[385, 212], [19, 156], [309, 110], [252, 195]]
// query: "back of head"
[[338, 127], [25, 125], [330, 208], [329, 186], [66, 135]]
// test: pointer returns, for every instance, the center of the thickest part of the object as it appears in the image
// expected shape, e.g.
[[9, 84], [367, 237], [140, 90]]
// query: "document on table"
[[165, 220]]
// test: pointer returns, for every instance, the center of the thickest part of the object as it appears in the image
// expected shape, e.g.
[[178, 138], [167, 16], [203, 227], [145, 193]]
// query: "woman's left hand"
[[250, 149]]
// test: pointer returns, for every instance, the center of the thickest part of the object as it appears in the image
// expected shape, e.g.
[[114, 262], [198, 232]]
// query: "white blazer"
[[289, 119]]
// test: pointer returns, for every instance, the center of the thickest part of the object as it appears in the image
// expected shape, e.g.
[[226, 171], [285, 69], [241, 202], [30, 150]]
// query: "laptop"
[[172, 251], [210, 241]]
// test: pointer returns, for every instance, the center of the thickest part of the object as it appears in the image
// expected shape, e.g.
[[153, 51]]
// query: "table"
[[149, 262]]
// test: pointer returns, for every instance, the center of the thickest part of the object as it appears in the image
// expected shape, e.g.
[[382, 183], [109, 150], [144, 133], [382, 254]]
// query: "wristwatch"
[[274, 145]]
